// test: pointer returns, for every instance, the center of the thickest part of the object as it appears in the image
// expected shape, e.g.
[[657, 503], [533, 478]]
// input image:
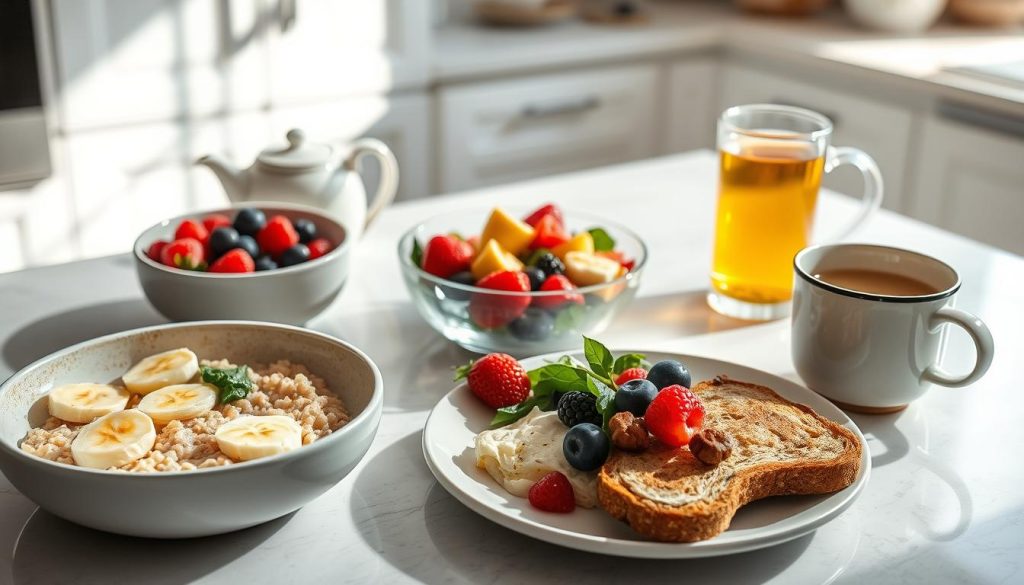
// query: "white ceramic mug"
[[874, 352]]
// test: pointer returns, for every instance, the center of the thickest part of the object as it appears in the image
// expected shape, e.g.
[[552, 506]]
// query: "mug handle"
[[838, 156], [983, 343], [388, 173]]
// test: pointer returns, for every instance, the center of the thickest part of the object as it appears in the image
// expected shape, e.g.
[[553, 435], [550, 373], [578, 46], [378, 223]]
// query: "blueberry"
[[635, 396], [297, 254], [306, 229], [585, 446], [534, 325], [550, 264], [457, 294], [536, 276], [249, 244], [223, 239], [248, 221], [265, 262], [669, 372]]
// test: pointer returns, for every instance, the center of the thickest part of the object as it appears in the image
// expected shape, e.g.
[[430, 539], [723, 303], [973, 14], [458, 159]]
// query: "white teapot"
[[312, 174]]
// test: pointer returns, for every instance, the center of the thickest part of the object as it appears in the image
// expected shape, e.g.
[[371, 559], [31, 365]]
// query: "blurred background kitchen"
[[105, 105]]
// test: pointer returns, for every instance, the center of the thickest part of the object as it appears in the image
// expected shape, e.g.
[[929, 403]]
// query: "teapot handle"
[[388, 173]]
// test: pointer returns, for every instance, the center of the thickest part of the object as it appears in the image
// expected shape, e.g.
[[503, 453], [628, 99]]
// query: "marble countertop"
[[943, 504], [917, 63]]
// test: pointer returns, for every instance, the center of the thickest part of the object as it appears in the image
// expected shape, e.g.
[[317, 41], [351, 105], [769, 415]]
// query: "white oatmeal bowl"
[[186, 482]]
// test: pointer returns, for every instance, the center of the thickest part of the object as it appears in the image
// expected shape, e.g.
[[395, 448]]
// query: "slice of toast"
[[780, 448]]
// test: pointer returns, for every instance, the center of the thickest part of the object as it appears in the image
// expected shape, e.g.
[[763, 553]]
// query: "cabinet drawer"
[[515, 129], [881, 130]]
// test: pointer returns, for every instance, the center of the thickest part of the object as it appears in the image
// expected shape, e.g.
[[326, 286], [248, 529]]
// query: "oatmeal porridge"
[[175, 413]]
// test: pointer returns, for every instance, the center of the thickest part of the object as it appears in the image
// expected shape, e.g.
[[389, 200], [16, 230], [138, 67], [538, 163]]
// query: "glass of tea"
[[772, 161]]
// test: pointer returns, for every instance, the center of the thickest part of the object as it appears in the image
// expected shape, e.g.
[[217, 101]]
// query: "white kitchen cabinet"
[[130, 61], [692, 104], [970, 180], [499, 131], [328, 48], [882, 130]]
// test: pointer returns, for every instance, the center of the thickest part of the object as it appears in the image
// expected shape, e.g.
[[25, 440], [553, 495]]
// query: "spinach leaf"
[[234, 383], [598, 356], [602, 241], [630, 360], [417, 253]]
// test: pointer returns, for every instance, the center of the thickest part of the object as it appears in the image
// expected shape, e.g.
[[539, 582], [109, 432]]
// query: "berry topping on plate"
[[668, 373], [553, 493], [586, 446], [635, 396], [631, 374], [578, 407], [674, 416], [497, 379]]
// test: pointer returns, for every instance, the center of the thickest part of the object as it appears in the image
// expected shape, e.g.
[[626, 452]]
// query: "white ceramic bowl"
[[293, 295], [901, 16], [201, 502]]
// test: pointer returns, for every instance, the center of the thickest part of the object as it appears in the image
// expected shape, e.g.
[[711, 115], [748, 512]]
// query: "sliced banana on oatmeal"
[[84, 403], [114, 440], [178, 402], [252, 437], [176, 366]]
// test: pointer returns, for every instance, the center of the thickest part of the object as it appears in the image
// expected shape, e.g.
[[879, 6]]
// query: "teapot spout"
[[234, 180]]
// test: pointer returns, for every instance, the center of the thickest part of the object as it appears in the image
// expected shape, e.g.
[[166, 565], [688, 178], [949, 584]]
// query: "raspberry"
[[674, 416], [497, 379], [553, 493], [631, 374]]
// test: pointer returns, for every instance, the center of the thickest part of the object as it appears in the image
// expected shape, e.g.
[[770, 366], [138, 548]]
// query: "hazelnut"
[[711, 446], [629, 432]]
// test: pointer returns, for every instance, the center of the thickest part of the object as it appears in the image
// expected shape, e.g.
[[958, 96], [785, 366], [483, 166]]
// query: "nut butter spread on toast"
[[781, 448]]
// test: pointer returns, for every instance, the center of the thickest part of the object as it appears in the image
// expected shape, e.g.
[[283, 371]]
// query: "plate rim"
[[649, 548]]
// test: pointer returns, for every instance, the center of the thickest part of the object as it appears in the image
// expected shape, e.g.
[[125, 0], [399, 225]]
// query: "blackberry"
[[578, 407], [550, 264]]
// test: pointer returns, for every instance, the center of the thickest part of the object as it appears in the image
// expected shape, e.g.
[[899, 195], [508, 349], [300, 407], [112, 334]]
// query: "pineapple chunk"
[[585, 268], [513, 235], [493, 258], [581, 242]]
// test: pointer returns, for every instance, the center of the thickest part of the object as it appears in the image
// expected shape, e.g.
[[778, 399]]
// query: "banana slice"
[[84, 403], [251, 437], [178, 402], [114, 440], [176, 366], [584, 268]]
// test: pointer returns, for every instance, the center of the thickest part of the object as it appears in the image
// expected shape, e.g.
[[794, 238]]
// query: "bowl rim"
[[362, 419], [140, 253], [641, 261]]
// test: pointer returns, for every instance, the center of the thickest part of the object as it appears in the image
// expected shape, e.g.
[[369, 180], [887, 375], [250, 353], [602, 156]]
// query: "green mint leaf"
[[602, 241], [630, 360], [605, 400], [598, 356], [233, 383], [570, 318], [511, 414], [553, 378], [417, 253]]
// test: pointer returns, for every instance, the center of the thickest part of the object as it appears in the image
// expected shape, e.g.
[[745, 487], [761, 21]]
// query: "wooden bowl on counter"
[[507, 13], [988, 12], [783, 7]]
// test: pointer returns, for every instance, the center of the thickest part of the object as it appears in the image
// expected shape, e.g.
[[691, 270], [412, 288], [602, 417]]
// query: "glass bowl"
[[445, 304]]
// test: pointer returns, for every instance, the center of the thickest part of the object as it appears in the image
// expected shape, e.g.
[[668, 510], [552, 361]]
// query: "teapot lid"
[[298, 155]]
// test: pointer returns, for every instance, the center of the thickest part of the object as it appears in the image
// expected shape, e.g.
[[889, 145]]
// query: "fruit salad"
[[547, 280], [248, 242], [563, 419]]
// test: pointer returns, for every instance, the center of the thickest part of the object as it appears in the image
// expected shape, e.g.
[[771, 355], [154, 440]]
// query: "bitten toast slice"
[[781, 448]]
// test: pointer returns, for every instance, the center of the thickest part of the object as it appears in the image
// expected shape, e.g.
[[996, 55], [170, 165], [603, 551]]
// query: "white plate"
[[459, 416]]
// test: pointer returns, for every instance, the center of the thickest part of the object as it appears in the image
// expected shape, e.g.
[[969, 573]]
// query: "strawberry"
[[495, 310], [550, 209], [319, 247], [191, 228], [154, 249], [184, 253], [631, 374], [236, 260], [497, 379], [557, 282], [675, 415], [549, 233], [216, 220], [277, 235], [445, 255], [553, 493]]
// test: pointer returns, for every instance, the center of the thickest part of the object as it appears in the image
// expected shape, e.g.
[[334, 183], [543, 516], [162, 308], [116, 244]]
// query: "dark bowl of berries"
[[520, 281], [254, 261]]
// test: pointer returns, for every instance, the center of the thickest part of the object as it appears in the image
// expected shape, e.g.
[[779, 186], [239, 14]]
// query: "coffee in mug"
[[870, 322]]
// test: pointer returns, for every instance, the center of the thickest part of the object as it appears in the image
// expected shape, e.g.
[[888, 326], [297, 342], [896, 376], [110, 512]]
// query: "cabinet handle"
[[830, 115], [988, 120], [574, 106]]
